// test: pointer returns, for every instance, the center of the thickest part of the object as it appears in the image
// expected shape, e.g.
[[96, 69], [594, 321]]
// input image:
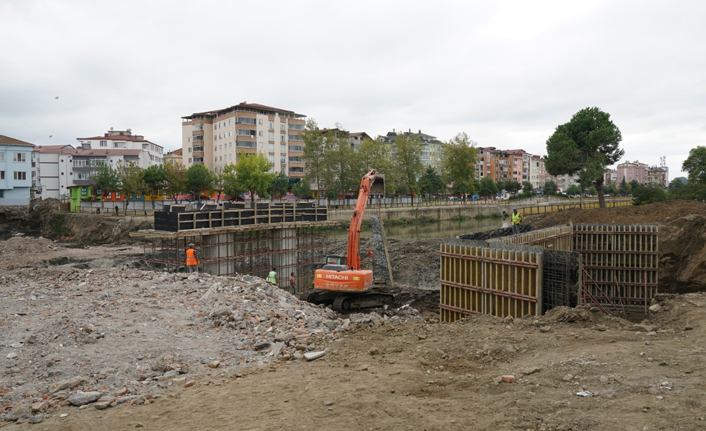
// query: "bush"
[[644, 195]]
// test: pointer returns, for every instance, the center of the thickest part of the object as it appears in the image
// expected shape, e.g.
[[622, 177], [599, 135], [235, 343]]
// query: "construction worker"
[[192, 261], [292, 284], [272, 276], [516, 220]]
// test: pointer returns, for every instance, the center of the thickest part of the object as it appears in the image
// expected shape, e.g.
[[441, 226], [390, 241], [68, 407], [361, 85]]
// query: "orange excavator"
[[341, 282]]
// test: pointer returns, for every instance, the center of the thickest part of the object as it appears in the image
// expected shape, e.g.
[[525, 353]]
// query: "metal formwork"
[[497, 279], [614, 267], [620, 264]]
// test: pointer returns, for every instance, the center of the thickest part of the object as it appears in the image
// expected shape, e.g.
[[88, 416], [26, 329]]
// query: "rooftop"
[[6, 140]]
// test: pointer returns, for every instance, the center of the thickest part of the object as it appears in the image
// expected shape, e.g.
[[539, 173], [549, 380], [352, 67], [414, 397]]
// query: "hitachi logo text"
[[336, 277]]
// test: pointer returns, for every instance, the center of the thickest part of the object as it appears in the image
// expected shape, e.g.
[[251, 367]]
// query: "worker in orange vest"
[[192, 261]]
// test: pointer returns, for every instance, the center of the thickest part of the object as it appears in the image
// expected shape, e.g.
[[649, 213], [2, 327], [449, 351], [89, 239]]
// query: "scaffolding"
[[233, 240]]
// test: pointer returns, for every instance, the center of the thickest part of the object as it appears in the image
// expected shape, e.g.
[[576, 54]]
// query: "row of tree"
[[335, 166], [251, 174]]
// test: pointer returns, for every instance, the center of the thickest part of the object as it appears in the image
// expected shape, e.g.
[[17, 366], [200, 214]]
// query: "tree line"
[[251, 174]]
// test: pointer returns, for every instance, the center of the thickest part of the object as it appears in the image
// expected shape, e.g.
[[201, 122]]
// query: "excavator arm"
[[372, 182]]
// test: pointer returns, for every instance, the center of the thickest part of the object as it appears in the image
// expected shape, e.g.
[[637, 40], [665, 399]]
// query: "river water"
[[440, 230]]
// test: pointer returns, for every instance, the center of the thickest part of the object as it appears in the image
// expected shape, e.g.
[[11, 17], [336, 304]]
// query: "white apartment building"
[[217, 138], [125, 140], [58, 167]]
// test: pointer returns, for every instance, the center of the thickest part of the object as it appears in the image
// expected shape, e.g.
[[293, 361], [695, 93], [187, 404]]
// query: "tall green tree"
[[695, 165], [459, 164], [586, 145], [176, 180], [573, 189], [132, 181], [487, 187], [374, 154], [252, 175], [513, 186], [230, 184], [199, 179], [342, 170], [677, 183], [155, 178], [431, 182], [106, 180], [527, 187], [279, 185], [624, 188], [407, 163], [302, 189], [550, 188], [314, 153]]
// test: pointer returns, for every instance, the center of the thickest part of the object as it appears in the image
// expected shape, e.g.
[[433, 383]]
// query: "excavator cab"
[[335, 262]]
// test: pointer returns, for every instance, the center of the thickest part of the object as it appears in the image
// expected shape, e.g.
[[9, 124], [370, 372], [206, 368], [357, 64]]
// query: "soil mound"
[[682, 236]]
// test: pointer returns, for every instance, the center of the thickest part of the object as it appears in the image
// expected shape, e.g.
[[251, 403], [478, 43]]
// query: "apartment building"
[[174, 157], [15, 171], [56, 168], [217, 138], [432, 148], [152, 154], [537, 172], [631, 171]]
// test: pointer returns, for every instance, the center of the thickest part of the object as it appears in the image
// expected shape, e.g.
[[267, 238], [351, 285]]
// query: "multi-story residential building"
[[537, 172], [15, 171], [174, 156], [59, 167], [152, 153], [432, 148], [356, 138], [217, 138], [658, 176], [631, 171]]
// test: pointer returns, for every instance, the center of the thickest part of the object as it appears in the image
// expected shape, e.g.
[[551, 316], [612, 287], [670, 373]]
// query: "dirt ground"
[[181, 354]]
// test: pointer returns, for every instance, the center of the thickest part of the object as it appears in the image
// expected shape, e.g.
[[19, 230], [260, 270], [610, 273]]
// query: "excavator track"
[[361, 300]]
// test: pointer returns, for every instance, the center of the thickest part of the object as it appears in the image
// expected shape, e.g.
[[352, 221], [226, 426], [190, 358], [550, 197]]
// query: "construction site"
[[588, 319]]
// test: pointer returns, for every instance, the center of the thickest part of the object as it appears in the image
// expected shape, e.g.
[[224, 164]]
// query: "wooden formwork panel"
[[620, 263], [554, 238], [489, 280]]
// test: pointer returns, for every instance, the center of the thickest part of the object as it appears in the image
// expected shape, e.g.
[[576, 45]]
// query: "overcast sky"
[[505, 72]]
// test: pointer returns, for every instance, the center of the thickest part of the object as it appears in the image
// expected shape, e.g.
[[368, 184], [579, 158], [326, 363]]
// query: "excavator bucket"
[[378, 186]]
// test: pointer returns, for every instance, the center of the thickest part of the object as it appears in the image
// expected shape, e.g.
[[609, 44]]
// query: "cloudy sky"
[[505, 72]]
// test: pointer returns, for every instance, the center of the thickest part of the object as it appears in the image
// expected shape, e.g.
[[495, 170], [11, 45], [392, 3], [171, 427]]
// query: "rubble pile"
[[104, 337]]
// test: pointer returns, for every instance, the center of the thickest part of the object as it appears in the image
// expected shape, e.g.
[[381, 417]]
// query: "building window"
[[2, 157], [259, 122], [20, 176], [281, 127], [20, 157], [84, 191], [272, 125], [281, 138], [2, 175], [104, 143], [282, 148], [271, 148]]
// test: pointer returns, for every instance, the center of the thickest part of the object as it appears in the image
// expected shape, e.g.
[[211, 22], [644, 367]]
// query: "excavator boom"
[[341, 282]]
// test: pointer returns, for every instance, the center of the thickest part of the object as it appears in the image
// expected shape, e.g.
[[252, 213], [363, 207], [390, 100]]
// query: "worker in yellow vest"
[[516, 220], [192, 261], [272, 276]]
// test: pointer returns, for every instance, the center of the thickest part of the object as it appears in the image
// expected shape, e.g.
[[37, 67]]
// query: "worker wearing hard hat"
[[516, 220]]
